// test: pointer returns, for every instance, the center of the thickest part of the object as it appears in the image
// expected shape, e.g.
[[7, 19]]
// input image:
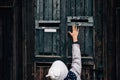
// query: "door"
[[53, 19]]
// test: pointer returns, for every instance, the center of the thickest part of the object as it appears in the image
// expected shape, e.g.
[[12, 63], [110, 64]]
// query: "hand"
[[74, 33]]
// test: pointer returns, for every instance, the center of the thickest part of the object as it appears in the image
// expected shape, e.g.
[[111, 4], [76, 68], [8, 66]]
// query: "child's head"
[[58, 71]]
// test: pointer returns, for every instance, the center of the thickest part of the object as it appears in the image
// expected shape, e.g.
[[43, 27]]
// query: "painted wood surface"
[[82, 8], [47, 43], [50, 43]]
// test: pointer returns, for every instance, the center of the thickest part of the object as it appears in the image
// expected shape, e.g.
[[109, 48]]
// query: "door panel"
[[76, 8], [47, 43], [52, 41]]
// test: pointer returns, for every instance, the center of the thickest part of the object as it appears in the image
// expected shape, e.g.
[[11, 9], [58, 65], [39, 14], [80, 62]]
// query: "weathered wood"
[[37, 9], [56, 43], [7, 3], [0, 39], [89, 41], [117, 43], [80, 10], [41, 72], [46, 16], [41, 9], [48, 43], [28, 29], [88, 7], [77, 7], [68, 7], [39, 41], [1, 47], [73, 7], [86, 73], [88, 31], [48, 36], [82, 6], [50, 9], [63, 28], [56, 36], [81, 38], [6, 40], [56, 10]]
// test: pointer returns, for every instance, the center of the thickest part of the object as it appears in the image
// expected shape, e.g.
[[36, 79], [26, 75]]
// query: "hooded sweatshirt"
[[59, 71]]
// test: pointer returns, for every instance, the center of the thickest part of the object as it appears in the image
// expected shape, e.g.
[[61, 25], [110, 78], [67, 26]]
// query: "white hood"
[[58, 71]]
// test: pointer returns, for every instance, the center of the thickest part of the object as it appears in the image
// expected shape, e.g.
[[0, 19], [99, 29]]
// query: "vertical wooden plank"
[[41, 9], [46, 10], [88, 31], [100, 32], [86, 73], [1, 46], [42, 71], [54, 47], [39, 33], [7, 41], [72, 12], [0, 38], [37, 6], [48, 36], [56, 9], [36, 25], [80, 12], [63, 28], [117, 43], [73, 6], [39, 41], [47, 43], [17, 44], [36, 42], [50, 9], [28, 37], [56, 36], [80, 7], [69, 40], [81, 38], [68, 7], [89, 41], [88, 7], [56, 43], [24, 25]]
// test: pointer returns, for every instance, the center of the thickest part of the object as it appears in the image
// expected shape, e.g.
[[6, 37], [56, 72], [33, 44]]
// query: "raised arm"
[[76, 53]]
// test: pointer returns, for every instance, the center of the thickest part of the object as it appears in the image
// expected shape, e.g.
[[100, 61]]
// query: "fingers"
[[70, 33], [75, 28]]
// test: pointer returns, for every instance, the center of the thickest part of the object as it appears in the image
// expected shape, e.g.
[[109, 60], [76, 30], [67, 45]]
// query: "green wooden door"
[[47, 35], [53, 19]]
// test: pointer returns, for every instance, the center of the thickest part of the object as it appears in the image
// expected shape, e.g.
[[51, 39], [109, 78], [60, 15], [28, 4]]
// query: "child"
[[59, 71]]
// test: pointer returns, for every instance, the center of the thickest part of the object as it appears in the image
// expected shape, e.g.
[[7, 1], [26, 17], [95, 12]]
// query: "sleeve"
[[76, 59]]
